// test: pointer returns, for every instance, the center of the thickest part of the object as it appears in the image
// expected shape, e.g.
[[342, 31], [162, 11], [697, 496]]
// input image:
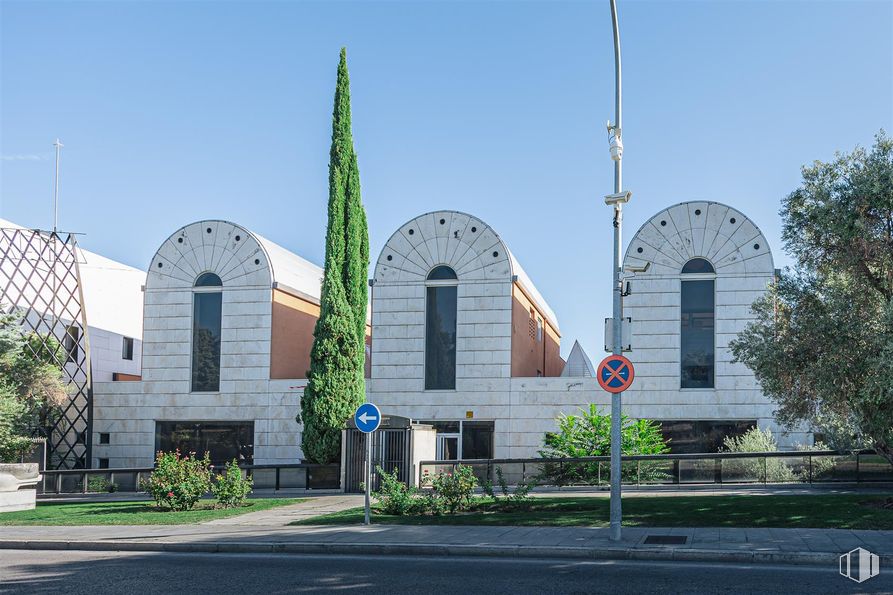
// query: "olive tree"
[[821, 344]]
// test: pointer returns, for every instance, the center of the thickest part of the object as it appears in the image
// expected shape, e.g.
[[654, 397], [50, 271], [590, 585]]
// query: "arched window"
[[208, 280], [440, 329], [441, 273], [697, 265], [697, 353], [207, 310]]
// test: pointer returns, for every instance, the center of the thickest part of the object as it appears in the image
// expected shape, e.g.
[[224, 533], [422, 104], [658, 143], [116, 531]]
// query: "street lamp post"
[[58, 144], [617, 200]]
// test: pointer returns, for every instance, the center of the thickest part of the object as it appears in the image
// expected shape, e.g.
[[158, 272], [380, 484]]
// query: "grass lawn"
[[130, 513], [823, 511]]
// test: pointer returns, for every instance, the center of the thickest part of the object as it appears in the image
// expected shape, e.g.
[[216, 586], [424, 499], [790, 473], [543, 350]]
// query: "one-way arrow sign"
[[367, 418]]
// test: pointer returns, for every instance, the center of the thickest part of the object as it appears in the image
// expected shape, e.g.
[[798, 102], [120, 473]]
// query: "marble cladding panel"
[[128, 413]]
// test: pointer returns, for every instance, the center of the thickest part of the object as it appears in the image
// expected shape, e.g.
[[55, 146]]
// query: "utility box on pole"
[[625, 334]]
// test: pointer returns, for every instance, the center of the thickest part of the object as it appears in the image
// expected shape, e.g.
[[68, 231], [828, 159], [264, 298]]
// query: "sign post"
[[616, 200], [615, 374], [367, 419]]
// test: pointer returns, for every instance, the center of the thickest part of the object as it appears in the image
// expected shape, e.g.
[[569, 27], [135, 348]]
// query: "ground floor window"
[[690, 436], [463, 440], [222, 440]]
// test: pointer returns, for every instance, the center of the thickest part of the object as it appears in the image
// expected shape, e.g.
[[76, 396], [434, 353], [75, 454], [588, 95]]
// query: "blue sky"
[[177, 111]]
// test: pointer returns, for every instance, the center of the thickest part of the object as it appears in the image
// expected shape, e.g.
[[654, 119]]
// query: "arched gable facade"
[[694, 269], [716, 232], [228, 321], [464, 243], [454, 319], [235, 255]]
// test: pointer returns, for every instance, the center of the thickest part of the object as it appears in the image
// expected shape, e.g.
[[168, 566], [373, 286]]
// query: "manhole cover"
[[666, 540]]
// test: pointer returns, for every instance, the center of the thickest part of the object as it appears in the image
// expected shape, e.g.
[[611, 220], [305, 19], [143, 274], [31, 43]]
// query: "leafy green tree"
[[821, 344], [336, 384], [31, 385], [12, 443], [589, 435]]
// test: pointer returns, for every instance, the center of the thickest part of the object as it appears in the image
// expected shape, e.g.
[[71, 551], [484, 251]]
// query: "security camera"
[[638, 269], [622, 197]]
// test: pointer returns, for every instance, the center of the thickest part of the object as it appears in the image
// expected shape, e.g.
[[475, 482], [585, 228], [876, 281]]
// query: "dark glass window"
[[103, 463], [441, 273], [449, 448], [206, 318], [440, 338], [72, 336], [696, 341], [697, 265], [105, 438], [208, 280], [223, 441], [127, 348], [691, 436], [477, 439]]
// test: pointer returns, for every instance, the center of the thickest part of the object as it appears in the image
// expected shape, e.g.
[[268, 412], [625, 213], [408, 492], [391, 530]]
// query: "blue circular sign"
[[367, 418]]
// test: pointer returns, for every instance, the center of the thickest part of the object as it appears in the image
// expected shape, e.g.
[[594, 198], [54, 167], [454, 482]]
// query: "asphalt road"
[[97, 573]]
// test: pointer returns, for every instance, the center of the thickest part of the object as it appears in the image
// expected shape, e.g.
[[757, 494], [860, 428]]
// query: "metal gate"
[[390, 450]]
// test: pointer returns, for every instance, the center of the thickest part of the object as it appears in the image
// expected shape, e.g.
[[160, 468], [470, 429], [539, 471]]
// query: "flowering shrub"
[[178, 482], [452, 491], [231, 488], [394, 496]]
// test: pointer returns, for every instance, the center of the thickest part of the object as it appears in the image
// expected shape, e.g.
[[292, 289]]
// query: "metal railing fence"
[[273, 477], [791, 467]]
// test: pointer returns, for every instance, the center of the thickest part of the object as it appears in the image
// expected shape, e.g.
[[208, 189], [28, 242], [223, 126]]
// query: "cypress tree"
[[333, 388], [344, 176], [336, 384]]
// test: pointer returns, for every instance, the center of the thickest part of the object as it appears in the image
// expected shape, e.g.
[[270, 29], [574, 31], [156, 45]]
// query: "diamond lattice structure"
[[40, 280]]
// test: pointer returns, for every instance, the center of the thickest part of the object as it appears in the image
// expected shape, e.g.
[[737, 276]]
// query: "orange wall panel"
[[122, 377], [531, 357], [291, 337]]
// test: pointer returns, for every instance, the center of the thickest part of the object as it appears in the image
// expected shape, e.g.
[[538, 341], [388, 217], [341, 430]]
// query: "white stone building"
[[228, 321], [693, 271], [462, 340], [456, 325]]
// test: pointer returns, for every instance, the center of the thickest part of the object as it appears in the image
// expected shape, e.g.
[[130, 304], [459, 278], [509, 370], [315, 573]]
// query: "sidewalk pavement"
[[285, 515], [268, 531], [762, 546]]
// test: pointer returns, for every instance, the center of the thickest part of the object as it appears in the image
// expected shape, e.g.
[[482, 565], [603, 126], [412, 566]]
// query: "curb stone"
[[440, 550]]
